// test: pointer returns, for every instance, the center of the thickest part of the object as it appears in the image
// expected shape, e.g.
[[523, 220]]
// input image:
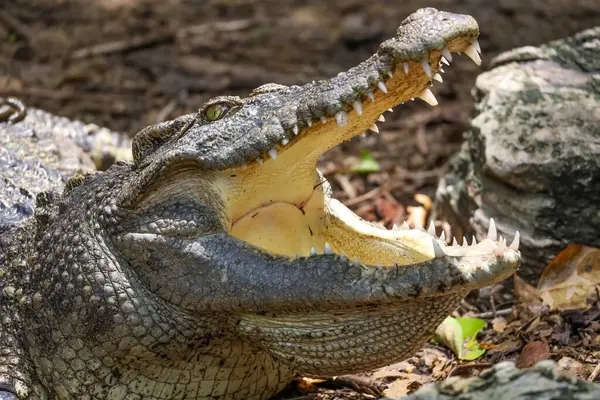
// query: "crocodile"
[[216, 264]]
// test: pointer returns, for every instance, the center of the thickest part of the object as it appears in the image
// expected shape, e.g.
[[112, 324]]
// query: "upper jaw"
[[273, 121]]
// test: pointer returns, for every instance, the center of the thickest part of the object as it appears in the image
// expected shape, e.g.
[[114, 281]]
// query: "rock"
[[504, 381], [531, 158]]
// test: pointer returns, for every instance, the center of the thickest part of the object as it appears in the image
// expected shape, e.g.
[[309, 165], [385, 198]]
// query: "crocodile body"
[[216, 264]]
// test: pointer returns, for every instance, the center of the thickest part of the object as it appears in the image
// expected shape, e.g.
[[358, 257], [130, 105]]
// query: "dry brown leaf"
[[306, 384], [418, 215], [499, 324], [571, 278], [387, 209], [532, 353], [573, 367], [406, 385], [505, 347], [528, 295]]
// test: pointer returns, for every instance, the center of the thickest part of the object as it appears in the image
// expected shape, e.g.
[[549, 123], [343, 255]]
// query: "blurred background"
[[125, 64]]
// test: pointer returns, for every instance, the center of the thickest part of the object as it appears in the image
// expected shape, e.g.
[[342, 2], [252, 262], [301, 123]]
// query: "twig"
[[347, 187], [166, 111], [494, 314], [15, 25], [120, 46], [460, 367], [363, 197], [594, 375]]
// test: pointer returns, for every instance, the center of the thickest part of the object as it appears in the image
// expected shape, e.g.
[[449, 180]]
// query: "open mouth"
[[281, 204]]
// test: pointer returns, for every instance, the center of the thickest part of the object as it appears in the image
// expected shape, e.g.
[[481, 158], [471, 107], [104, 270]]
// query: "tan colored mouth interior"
[[280, 204]]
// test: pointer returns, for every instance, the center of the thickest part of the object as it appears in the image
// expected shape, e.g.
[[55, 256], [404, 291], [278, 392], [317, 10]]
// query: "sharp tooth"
[[438, 77], [272, 153], [428, 97], [454, 242], [284, 141], [465, 243], [446, 54], [389, 73], [381, 118], [492, 233], [309, 122], [390, 110], [355, 262], [404, 226], [418, 226], [444, 61], [381, 86], [323, 119], [431, 229], [357, 105], [515, 243], [473, 54], [437, 249], [341, 117], [474, 241], [443, 236], [374, 128], [295, 129], [475, 44], [259, 161], [313, 251], [370, 96], [244, 165], [405, 66], [395, 227], [426, 67], [363, 135], [327, 249]]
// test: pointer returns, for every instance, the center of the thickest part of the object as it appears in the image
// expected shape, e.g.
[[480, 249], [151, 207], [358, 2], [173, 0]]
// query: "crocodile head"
[[228, 214]]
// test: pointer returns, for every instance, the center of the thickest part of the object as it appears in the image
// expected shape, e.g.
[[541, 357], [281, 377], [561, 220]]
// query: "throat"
[[284, 228]]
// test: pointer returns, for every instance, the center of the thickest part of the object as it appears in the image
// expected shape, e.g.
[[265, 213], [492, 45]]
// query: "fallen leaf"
[[573, 367], [367, 164], [417, 215], [505, 347], [499, 324], [532, 353], [405, 385], [387, 209], [571, 278], [459, 335], [528, 294]]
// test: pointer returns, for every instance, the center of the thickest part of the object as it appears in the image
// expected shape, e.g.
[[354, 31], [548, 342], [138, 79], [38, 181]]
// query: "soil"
[[126, 64]]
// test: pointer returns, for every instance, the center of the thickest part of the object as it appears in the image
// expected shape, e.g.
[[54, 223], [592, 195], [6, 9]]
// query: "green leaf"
[[459, 335], [367, 164]]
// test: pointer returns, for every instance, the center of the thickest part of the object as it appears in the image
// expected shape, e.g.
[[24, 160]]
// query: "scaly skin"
[[204, 270]]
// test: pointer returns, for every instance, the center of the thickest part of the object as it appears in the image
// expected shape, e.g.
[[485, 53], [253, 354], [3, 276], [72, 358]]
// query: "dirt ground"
[[125, 64]]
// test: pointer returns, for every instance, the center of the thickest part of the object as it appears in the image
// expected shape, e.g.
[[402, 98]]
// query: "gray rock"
[[531, 159], [504, 381]]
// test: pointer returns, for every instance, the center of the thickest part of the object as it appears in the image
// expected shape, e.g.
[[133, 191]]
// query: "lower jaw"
[[348, 340]]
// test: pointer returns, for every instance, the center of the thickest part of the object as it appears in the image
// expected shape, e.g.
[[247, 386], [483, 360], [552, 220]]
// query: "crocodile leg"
[[15, 381]]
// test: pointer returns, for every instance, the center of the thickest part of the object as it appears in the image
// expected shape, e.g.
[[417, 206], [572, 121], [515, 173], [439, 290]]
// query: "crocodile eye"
[[216, 111]]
